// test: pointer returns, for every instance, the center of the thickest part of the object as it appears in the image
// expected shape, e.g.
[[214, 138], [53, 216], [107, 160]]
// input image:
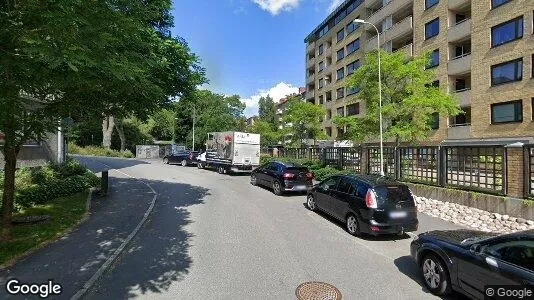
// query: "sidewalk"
[[73, 259]]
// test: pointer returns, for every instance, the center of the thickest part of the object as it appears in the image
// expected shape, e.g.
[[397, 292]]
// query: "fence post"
[[341, 157], [397, 164], [526, 171], [442, 165]]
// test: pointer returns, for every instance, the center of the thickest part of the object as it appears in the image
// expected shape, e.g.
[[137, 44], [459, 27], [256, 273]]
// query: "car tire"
[[277, 188], [253, 180], [435, 275], [166, 160], [184, 163], [310, 203], [220, 170], [352, 225]]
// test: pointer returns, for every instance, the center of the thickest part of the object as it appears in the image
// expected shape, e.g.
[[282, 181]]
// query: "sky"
[[250, 47]]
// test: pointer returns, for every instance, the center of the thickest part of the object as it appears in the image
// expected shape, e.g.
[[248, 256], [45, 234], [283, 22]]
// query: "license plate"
[[398, 214], [300, 188]]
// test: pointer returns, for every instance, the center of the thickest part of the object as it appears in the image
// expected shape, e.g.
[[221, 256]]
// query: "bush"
[[99, 151]]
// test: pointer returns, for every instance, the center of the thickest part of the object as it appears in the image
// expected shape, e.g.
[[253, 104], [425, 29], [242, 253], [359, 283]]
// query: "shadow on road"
[[96, 164], [158, 255]]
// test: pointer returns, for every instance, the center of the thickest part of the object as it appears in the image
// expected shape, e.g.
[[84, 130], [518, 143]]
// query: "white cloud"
[[274, 7], [277, 92], [334, 4]]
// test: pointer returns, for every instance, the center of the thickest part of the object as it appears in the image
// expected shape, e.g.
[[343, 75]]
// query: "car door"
[[323, 191], [341, 197], [260, 173], [271, 173]]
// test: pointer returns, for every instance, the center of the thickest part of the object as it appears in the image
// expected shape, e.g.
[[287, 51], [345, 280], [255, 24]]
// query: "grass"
[[65, 213], [99, 151]]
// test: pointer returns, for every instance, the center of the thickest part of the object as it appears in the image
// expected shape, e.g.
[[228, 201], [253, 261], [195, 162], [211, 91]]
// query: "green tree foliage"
[[269, 136], [409, 101], [162, 122], [267, 111], [214, 112], [303, 120]]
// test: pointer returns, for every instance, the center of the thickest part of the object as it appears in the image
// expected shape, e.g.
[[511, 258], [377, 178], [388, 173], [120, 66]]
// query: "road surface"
[[214, 236]]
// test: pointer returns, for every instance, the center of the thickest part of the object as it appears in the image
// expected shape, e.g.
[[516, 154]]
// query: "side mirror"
[[475, 248]]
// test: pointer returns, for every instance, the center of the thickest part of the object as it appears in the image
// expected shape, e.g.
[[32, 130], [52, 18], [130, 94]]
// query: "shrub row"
[[99, 151], [319, 170]]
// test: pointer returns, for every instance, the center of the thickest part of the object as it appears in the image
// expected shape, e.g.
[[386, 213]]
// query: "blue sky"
[[250, 47]]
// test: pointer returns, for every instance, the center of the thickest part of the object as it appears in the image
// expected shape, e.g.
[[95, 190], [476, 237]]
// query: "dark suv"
[[282, 177], [185, 158], [366, 203]]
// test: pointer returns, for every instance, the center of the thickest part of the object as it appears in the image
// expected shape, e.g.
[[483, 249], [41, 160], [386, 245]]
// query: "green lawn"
[[64, 213]]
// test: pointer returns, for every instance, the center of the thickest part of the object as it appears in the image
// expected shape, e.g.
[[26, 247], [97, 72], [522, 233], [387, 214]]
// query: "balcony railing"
[[460, 31], [463, 96], [458, 4], [408, 49], [388, 9], [460, 65], [310, 47], [310, 94], [459, 131], [401, 28]]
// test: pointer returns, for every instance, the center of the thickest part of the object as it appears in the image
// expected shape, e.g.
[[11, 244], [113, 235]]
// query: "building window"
[[507, 72], [432, 28], [508, 112], [435, 83], [340, 93], [532, 64], [352, 26], [328, 131], [507, 32], [340, 73], [340, 35], [434, 59], [328, 114], [321, 66], [352, 67], [321, 99], [340, 54], [434, 121], [462, 119], [341, 111], [430, 3], [353, 46], [497, 3], [353, 90], [321, 83], [353, 109], [321, 49]]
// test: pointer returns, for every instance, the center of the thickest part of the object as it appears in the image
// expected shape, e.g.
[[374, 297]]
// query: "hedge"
[[319, 170], [99, 151]]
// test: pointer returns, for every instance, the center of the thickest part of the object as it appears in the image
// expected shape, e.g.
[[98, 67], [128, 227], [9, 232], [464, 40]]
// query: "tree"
[[303, 120], [267, 111], [162, 121], [269, 135], [409, 101]]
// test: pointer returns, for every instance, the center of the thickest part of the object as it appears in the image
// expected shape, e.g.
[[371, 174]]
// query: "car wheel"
[[435, 275], [277, 188], [184, 163], [352, 225], [311, 203], [253, 179], [199, 165], [220, 169], [166, 161]]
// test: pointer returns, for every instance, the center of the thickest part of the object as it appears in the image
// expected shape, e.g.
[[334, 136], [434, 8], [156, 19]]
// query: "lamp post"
[[379, 95], [174, 130]]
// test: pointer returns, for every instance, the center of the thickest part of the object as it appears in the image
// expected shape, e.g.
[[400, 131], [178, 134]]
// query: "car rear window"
[[393, 193], [296, 169]]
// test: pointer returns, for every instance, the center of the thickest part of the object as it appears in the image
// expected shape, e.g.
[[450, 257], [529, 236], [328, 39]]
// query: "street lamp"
[[379, 94]]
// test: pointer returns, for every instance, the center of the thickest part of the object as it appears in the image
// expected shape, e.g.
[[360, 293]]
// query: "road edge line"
[[104, 267]]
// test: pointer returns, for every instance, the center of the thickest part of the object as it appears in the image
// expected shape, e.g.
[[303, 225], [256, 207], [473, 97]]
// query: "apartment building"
[[482, 52]]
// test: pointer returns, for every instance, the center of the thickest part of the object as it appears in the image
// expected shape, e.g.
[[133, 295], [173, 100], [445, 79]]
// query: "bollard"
[[104, 183]]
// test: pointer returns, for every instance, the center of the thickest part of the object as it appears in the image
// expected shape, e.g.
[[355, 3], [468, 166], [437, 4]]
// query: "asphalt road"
[[215, 236]]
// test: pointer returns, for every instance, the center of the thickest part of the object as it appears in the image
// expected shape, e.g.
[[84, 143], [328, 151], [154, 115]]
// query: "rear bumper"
[[374, 228], [290, 186]]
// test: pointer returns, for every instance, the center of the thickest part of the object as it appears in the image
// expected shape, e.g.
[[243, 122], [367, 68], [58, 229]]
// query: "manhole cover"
[[317, 291]]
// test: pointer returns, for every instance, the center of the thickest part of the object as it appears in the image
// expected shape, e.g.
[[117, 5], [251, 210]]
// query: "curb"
[[107, 264]]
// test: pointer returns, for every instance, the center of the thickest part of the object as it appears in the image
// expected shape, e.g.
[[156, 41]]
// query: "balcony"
[[389, 9], [310, 63], [408, 50], [460, 31], [463, 97], [310, 79], [402, 28], [310, 95], [460, 65], [459, 4], [372, 3], [459, 132], [310, 47]]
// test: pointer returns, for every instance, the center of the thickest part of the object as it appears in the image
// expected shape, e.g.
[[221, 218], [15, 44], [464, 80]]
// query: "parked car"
[[282, 177], [465, 261], [185, 158], [366, 203]]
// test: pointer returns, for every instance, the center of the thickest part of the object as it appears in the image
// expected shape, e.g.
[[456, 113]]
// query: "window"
[[330, 183], [430, 3], [434, 121], [340, 73], [323, 31], [353, 46], [321, 83], [507, 72], [321, 66], [532, 64], [360, 189], [435, 83], [340, 111], [340, 93], [353, 90], [321, 49], [340, 54], [321, 99], [508, 112], [352, 27], [434, 59], [463, 119], [352, 67], [353, 109], [340, 35], [345, 187], [507, 32], [328, 114], [518, 251], [497, 3], [432, 28]]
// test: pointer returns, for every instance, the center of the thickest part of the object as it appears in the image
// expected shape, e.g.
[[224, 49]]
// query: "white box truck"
[[231, 151]]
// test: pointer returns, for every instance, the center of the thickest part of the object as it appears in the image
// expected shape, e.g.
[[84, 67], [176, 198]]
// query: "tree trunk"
[[10, 157], [120, 131], [107, 130]]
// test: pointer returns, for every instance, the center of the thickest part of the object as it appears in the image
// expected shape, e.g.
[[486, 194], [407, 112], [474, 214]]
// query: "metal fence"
[[419, 164], [529, 170], [373, 161]]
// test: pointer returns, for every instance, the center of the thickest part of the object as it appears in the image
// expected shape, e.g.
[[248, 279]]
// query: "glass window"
[[353, 90], [352, 67], [345, 186], [507, 32], [507, 112], [353, 109], [340, 73], [432, 28], [321, 82], [507, 72], [430, 3], [340, 93], [434, 59], [360, 189], [352, 27], [497, 3], [321, 66], [340, 111], [340, 35], [329, 183], [517, 251], [353, 46], [340, 54], [321, 49]]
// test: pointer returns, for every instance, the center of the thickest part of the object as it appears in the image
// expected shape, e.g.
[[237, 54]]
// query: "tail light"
[[288, 175], [309, 175], [370, 199]]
